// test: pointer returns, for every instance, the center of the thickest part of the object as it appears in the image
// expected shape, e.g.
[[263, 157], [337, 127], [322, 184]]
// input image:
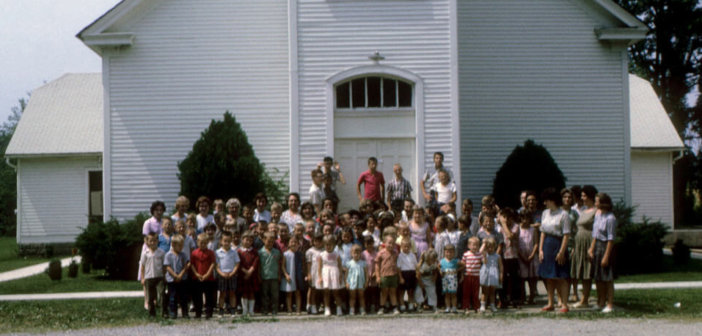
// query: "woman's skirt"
[[602, 273], [549, 268]]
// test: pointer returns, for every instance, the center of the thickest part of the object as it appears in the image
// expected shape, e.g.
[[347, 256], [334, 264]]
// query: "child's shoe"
[[232, 312], [372, 309], [419, 308], [339, 312], [396, 312], [381, 311], [352, 312], [493, 308], [448, 310], [313, 310], [453, 310], [363, 311], [221, 312], [482, 307], [402, 308], [327, 311]]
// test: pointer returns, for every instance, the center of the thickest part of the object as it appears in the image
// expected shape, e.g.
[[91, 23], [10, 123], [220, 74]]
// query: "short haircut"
[[329, 239], [165, 220], [202, 200], [487, 200], [248, 234], [474, 239], [156, 204], [269, 234], [356, 247], [249, 206], [409, 199], [314, 172], [590, 191], [293, 194], [218, 202], [233, 202], [576, 191], [489, 241], [226, 234], [221, 217], [261, 196], [550, 194], [507, 213], [567, 191], [449, 247], [202, 237], [276, 206], [182, 200], [439, 154], [152, 235], [177, 239], [318, 237], [328, 159], [360, 223], [372, 159], [466, 220], [368, 240]]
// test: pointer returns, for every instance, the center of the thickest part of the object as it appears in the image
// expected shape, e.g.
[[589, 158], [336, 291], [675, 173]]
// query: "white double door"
[[353, 155]]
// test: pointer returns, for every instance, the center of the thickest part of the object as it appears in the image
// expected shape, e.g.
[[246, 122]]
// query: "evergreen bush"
[[113, 247], [73, 269], [528, 167], [638, 246], [222, 164], [54, 270], [681, 252]]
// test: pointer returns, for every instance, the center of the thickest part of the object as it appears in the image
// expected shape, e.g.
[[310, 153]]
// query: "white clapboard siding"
[[52, 198], [189, 64], [334, 36], [651, 185], [535, 69]]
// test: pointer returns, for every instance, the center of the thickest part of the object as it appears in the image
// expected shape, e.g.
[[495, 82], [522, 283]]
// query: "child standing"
[[407, 262], [202, 264], [271, 265], [490, 273], [177, 264], [329, 275], [372, 230], [152, 274], [227, 266], [449, 277], [344, 248], [512, 286], [427, 269], [473, 261], [293, 274], [445, 190], [356, 280], [189, 244], [247, 281], [311, 257], [203, 217], [164, 239], [372, 291], [387, 274]]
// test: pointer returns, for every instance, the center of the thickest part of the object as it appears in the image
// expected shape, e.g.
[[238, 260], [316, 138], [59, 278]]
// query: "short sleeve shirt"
[[604, 227], [227, 260], [371, 185], [270, 263], [202, 260], [444, 192], [153, 263], [431, 176], [177, 262], [203, 221], [316, 194], [151, 225], [555, 223], [399, 189], [407, 261], [387, 262], [473, 262]]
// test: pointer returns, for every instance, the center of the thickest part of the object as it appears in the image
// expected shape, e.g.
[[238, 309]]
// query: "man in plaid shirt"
[[398, 189]]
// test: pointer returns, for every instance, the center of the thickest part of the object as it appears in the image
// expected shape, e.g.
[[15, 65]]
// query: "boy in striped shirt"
[[472, 260]]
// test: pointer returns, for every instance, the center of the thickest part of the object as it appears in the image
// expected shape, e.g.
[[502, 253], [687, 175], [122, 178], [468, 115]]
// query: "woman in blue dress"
[[553, 249]]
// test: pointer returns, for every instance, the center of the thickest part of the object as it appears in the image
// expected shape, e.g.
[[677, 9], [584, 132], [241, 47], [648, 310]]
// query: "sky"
[[38, 44]]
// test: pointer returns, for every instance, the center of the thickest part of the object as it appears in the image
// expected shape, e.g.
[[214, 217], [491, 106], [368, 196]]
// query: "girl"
[[487, 230], [164, 239], [449, 236], [372, 230], [356, 280], [372, 291], [203, 217], [490, 273], [512, 287], [427, 271], [344, 248], [218, 206], [329, 275], [307, 211], [528, 249], [260, 213], [419, 229], [191, 225], [311, 258], [276, 212], [440, 225], [404, 234], [151, 225], [293, 275], [603, 233], [247, 282], [407, 262], [450, 269]]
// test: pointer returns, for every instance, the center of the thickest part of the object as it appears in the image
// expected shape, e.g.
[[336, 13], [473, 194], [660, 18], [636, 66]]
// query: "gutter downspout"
[[675, 159], [7, 161]]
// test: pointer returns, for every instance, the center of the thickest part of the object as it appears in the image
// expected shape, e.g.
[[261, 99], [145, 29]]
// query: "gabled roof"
[[651, 128], [63, 117], [104, 31]]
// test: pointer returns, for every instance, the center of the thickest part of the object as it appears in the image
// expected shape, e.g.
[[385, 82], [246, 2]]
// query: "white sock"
[[244, 307], [251, 307]]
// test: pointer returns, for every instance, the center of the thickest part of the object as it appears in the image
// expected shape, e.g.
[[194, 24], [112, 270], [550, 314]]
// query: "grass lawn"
[[41, 283], [9, 259], [38, 316], [671, 272]]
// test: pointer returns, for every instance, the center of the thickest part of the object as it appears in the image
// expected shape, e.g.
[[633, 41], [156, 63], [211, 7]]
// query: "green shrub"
[[681, 253], [73, 269], [639, 247], [528, 167], [85, 267], [113, 247], [54, 270], [222, 164]]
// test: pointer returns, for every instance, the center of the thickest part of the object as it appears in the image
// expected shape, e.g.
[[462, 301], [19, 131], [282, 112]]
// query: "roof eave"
[[48, 155], [657, 149], [621, 35], [97, 42]]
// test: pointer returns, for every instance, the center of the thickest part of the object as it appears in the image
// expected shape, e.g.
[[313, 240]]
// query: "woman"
[[307, 212], [182, 204], [601, 251], [532, 206], [233, 206], [568, 201], [292, 215], [553, 251], [419, 229], [580, 266]]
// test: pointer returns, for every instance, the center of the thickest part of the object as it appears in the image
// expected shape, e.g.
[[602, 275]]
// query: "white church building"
[[397, 80]]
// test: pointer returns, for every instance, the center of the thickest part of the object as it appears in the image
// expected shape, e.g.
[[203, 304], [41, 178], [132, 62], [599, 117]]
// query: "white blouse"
[[555, 223]]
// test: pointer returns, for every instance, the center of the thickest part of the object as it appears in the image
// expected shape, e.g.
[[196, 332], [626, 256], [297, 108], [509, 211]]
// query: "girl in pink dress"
[[419, 230], [528, 248]]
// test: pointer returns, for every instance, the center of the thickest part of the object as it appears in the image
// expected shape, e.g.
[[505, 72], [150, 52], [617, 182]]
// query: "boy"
[[271, 264], [164, 239], [177, 264], [316, 190], [283, 237], [152, 271], [334, 172], [227, 266], [210, 232], [202, 265], [386, 272], [399, 189], [276, 212], [373, 183]]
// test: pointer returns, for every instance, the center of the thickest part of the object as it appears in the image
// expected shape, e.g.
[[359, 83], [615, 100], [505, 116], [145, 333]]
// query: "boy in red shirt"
[[202, 264], [373, 183]]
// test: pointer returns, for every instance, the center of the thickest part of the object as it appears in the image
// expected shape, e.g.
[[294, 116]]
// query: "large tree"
[[670, 57], [8, 176]]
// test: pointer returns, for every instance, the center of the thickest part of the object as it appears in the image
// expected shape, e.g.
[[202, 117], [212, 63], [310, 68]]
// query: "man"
[[373, 183], [399, 189], [431, 176]]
